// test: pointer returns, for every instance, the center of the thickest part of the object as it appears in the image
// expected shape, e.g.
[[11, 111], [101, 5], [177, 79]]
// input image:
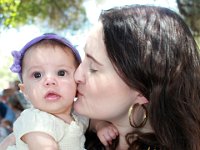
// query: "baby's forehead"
[[44, 47], [49, 44]]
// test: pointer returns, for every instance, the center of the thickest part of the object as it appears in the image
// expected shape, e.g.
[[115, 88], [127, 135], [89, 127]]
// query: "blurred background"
[[22, 20]]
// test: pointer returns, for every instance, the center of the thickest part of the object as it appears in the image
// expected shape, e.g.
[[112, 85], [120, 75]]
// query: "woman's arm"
[[8, 141]]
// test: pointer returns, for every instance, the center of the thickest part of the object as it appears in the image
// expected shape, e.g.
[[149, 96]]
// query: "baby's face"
[[48, 78]]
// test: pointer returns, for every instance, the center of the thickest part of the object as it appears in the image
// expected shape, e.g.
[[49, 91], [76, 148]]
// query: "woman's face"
[[102, 94]]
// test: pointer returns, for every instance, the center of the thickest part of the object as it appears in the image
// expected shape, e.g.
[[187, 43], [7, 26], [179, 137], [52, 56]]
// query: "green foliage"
[[198, 40], [53, 14], [6, 75], [190, 9]]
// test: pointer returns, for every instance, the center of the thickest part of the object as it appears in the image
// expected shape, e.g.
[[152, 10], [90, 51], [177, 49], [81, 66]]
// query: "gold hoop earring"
[[132, 111]]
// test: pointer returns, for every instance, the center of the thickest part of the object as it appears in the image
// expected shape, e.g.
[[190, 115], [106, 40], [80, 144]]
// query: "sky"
[[15, 39]]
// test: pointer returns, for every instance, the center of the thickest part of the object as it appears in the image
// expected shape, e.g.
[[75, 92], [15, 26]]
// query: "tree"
[[190, 9], [53, 14]]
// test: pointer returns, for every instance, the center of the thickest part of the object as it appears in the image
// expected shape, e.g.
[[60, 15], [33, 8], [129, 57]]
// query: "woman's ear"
[[141, 99]]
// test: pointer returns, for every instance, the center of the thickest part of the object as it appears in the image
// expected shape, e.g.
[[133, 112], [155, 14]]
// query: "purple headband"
[[18, 55]]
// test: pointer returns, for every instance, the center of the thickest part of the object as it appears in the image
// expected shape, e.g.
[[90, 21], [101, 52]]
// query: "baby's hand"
[[106, 132]]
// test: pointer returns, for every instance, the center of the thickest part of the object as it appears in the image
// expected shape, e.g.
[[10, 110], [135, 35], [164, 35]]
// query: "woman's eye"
[[61, 73], [37, 75], [93, 70]]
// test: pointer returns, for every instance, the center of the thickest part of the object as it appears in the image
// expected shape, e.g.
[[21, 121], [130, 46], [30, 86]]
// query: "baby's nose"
[[50, 81]]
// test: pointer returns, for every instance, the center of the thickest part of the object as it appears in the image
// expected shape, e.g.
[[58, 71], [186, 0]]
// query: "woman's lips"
[[79, 93]]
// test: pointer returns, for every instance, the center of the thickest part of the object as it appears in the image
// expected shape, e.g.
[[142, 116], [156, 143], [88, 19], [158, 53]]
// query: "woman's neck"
[[122, 143], [124, 129]]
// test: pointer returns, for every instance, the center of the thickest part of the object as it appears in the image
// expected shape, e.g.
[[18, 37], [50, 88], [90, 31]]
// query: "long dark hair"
[[154, 52]]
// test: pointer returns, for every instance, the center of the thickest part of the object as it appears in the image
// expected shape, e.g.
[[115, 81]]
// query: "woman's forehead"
[[95, 35], [94, 42], [95, 46]]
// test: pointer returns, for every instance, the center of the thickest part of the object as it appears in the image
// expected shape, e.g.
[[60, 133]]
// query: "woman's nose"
[[79, 75]]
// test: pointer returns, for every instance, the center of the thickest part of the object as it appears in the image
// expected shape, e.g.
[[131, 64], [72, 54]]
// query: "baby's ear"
[[21, 87]]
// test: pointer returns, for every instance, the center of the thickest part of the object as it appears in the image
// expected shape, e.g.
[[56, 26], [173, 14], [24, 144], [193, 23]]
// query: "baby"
[[46, 67]]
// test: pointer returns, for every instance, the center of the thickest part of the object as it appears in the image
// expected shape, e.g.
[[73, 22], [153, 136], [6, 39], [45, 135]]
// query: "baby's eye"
[[61, 73], [37, 75]]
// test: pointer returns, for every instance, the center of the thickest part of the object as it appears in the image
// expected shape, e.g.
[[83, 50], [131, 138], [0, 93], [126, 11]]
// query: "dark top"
[[3, 110]]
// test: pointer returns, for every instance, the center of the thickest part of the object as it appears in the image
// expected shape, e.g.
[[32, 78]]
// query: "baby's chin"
[[78, 107]]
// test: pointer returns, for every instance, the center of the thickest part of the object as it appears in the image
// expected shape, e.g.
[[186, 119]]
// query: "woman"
[[141, 73]]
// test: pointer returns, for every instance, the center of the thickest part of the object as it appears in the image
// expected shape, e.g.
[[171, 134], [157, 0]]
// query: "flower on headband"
[[16, 67]]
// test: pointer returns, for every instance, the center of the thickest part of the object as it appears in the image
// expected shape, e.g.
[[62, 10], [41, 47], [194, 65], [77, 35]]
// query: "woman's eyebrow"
[[91, 57]]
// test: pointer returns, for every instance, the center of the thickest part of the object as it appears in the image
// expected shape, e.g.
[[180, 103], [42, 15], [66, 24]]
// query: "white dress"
[[68, 136]]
